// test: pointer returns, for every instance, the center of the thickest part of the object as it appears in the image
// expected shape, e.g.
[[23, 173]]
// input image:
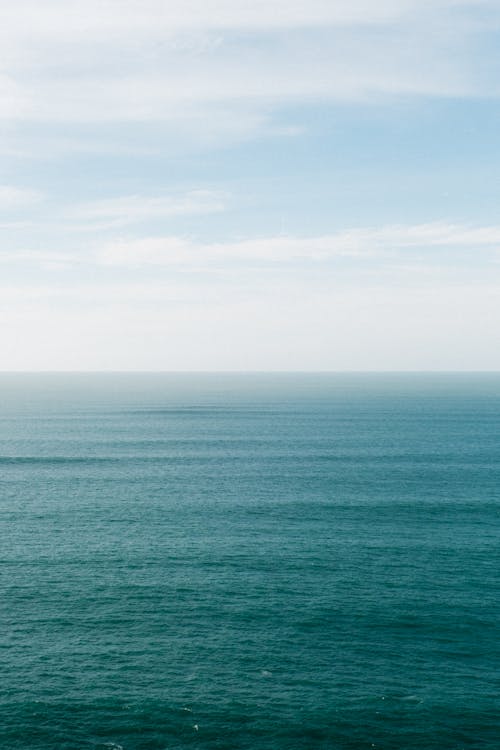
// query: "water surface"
[[249, 561]]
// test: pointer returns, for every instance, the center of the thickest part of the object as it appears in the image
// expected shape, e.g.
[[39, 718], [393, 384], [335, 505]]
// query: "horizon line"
[[254, 372]]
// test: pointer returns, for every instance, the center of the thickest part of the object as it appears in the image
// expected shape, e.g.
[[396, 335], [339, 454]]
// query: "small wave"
[[51, 460], [412, 698], [208, 411]]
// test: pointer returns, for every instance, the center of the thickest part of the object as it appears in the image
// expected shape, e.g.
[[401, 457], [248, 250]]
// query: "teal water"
[[249, 561]]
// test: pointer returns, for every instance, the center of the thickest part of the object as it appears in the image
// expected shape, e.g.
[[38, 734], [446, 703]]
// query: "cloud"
[[40, 259], [417, 249], [114, 19], [14, 199], [375, 244], [183, 252], [97, 62], [421, 296], [120, 92], [131, 209]]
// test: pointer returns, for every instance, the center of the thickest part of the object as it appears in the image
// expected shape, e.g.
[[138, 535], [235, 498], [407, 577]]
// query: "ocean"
[[254, 562]]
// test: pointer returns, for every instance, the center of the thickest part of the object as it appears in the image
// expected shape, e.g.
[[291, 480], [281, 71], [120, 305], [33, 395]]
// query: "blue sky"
[[258, 186]]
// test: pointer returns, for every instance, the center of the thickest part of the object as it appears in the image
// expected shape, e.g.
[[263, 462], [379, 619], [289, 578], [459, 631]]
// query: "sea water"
[[249, 561]]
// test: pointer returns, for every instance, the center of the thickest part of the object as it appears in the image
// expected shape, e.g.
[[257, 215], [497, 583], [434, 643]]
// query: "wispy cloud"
[[415, 248], [131, 209], [119, 18], [14, 199], [376, 244], [155, 61], [40, 259], [329, 113]]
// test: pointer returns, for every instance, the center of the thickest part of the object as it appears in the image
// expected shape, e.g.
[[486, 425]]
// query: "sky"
[[250, 185]]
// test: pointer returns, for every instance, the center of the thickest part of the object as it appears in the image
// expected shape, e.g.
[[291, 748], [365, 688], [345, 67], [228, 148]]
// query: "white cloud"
[[99, 62], [248, 77], [142, 77], [39, 259], [135, 18], [15, 199], [418, 249], [174, 303], [130, 209], [376, 243]]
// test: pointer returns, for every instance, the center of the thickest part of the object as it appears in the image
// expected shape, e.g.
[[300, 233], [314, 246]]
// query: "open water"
[[263, 562]]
